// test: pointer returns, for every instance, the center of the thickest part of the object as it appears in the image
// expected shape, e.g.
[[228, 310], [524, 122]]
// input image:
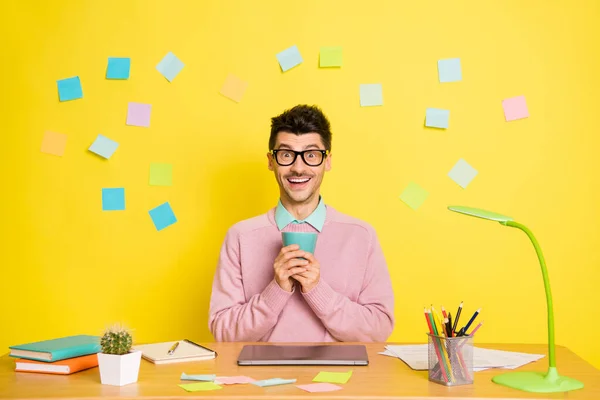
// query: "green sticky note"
[[161, 174], [330, 56], [200, 386], [333, 377], [414, 195]]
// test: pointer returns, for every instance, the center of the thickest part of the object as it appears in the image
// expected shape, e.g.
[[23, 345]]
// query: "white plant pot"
[[119, 370]]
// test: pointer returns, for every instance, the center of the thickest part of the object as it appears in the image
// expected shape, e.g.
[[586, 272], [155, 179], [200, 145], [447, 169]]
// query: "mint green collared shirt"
[[316, 219]]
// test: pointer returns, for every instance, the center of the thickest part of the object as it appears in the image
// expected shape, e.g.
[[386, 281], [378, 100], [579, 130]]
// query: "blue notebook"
[[57, 349]]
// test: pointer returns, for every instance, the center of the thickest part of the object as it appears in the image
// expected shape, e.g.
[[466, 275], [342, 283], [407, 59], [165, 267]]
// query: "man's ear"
[[328, 162], [270, 158]]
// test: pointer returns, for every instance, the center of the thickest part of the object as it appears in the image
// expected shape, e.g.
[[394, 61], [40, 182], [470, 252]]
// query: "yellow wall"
[[69, 268]]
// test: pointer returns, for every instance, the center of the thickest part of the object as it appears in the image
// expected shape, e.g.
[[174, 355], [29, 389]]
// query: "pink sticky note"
[[138, 114], [515, 108], [319, 387], [232, 380]]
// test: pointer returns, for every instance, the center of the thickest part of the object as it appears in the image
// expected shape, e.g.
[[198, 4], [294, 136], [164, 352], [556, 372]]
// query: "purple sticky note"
[[138, 114], [515, 108]]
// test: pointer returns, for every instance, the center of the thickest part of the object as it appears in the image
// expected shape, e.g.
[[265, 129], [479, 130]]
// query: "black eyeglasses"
[[312, 158]]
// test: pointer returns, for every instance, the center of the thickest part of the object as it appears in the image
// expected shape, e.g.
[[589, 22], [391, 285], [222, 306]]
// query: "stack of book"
[[61, 356]]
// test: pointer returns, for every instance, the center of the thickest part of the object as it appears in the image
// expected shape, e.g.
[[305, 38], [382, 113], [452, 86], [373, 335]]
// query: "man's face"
[[299, 183]]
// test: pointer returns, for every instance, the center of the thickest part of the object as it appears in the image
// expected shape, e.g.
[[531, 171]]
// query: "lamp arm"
[[538, 250]]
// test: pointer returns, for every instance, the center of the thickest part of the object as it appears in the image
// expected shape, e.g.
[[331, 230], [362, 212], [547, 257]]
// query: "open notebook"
[[158, 353]]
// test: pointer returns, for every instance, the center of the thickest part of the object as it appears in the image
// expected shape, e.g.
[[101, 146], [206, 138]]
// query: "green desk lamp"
[[530, 381]]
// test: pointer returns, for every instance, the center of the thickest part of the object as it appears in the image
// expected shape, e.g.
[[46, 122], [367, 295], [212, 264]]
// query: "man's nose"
[[298, 164]]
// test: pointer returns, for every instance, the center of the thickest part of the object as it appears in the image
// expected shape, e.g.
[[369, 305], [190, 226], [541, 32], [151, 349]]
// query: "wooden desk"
[[385, 378]]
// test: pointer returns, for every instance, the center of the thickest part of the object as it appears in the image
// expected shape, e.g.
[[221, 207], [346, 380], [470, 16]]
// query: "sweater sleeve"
[[371, 317], [231, 317]]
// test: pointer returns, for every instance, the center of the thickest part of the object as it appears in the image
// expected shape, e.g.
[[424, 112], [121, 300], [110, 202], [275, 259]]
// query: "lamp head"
[[479, 213]]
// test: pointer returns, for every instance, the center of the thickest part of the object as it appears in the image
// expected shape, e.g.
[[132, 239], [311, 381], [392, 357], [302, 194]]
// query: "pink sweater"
[[353, 301]]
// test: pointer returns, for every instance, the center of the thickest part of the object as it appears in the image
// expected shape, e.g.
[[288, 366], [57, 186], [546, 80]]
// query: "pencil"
[[444, 312], [457, 317], [470, 321], [438, 348], [475, 329]]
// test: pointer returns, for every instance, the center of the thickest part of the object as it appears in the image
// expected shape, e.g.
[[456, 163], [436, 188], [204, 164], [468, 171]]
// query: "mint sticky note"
[[103, 146], [161, 174], [333, 377], [371, 94], [170, 66], [113, 199], [138, 114], [289, 58], [205, 378], [69, 89], [330, 56], [449, 70], [515, 108], [462, 173], [201, 386], [162, 216], [437, 118], [414, 195], [118, 68], [273, 382]]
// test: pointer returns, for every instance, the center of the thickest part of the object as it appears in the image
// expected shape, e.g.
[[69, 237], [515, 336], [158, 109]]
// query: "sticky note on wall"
[[515, 108], [371, 94], [162, 216], [170, 66], [289, 58], [330, 56], [161, 174], [103, 146], [234, 88], [113, 199], [414, 195], [69, 89], [437, 118], [449, 70], [118, 68], [138, 114], [462, 173], [54, 143]]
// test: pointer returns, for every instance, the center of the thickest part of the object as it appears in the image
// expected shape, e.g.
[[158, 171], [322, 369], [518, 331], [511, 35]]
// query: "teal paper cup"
[[306, 240]]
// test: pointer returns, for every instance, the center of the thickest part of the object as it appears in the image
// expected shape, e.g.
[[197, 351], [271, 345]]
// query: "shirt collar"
[[317, 218]]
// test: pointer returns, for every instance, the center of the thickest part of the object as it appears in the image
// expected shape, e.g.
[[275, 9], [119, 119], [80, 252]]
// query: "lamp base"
[[538, 382]]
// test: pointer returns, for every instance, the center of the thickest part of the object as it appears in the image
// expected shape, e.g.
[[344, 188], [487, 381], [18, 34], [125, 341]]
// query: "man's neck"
[[301, 211]]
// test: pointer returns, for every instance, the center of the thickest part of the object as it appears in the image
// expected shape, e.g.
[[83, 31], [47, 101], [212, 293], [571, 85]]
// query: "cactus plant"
[[116, 340]]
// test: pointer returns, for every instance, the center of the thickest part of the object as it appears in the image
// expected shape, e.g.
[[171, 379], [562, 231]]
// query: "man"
[[263, 292]]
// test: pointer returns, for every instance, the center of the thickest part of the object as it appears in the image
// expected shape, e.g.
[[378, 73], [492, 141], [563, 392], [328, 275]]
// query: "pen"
[[172, 349], [457, 317], [470, 321]]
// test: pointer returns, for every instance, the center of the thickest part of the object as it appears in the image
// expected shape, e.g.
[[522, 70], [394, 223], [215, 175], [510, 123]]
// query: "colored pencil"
[[457, 317], [475, 314], [475, 329], [438, 348]]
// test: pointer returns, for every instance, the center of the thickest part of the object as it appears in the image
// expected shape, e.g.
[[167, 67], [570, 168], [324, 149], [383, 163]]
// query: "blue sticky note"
[[118, 68], [103, 146], [162, 216], [437, 118], [69, 89], [449, 70], [371, 95], [289, 58], [113, 199], [205, 378], [170, 66], [273, 382]]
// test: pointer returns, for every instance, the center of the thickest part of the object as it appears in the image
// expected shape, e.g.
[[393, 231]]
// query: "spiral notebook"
[[158, 353]]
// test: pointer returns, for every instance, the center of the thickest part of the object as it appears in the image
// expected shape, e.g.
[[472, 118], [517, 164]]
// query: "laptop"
[[303, 355]]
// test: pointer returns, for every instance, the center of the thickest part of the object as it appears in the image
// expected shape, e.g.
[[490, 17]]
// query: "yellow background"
[[67, 267]]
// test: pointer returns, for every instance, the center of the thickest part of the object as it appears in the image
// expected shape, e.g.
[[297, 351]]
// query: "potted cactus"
[[118, 364]]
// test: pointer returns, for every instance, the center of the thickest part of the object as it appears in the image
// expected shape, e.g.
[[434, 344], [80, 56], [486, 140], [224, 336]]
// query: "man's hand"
[[310, 277], [288, 263]]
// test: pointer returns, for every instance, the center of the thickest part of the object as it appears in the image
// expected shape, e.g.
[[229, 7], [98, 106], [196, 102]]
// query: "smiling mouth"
[[298, 182]]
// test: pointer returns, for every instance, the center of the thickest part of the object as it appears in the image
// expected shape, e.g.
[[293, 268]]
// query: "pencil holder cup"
[[450, 360]]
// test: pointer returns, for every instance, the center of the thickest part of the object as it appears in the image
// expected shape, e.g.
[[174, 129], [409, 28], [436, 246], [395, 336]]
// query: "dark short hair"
[[299, 120]]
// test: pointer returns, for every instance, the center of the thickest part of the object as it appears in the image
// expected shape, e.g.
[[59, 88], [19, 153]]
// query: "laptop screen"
[[303, 355]]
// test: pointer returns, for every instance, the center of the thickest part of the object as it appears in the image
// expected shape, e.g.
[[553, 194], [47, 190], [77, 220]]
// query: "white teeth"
[[298, 180]]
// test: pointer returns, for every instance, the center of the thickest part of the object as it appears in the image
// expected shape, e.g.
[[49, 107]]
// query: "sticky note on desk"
[[69, 89], [330, 56], [170, 66], [113, 199], [138, 114], [289, 58], [162, 216], [462, 173], [515, 108], [371, 94], [414, 195], [200, 386], [205, 378], [319, 387], [449, 70], [103, 146], [54, 143], [118, 68], [233, 380], [437, 118], [273, 382], [234, 88], [333, 377]]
